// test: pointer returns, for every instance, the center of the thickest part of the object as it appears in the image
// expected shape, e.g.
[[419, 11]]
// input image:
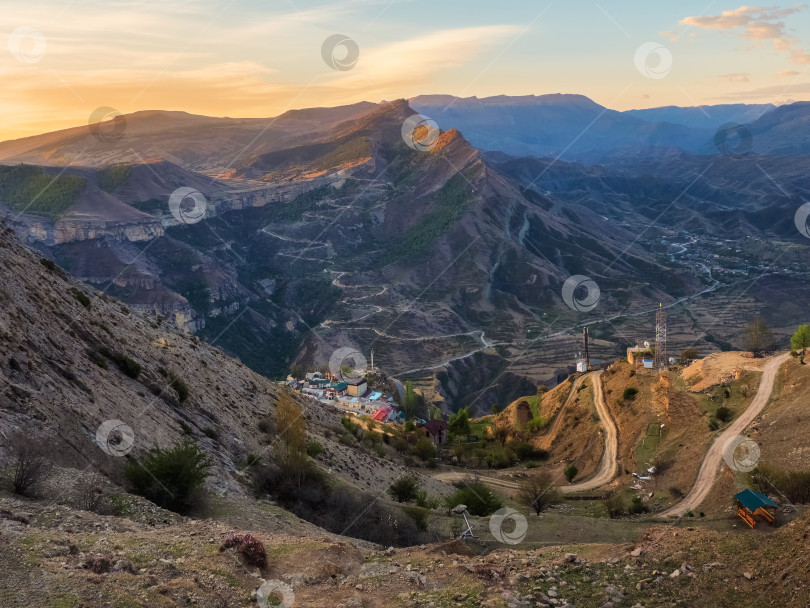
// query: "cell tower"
[[585, 335], [660, 360]]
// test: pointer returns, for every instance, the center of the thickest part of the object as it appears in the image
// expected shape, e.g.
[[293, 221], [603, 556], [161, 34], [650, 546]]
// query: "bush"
[[422, 500], [424, 449], [250, 547], [171, 478], [88, 492], [126, 364], [794, 486], [98, 564], [314, 449], [614, 504], [29, 463], [180, 387], [630, 393], [81, 297], [714, 424], [723, 414], [570, 472], [637, 506], [538, 492], [419, 516], [480, 500], [404, 489]]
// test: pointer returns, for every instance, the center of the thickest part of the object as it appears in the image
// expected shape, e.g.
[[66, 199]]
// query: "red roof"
[[381, 414], [435, 426]]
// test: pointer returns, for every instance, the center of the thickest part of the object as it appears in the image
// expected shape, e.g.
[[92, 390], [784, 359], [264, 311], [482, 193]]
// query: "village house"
[[435, 430], [357, 387]]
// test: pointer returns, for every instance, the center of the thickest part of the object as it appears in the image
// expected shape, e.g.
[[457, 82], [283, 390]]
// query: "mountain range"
[[444, 250]]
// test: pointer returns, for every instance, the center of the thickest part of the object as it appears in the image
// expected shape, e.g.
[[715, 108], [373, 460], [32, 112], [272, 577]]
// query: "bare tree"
[[538, 492], [758, 337], [29, 464]]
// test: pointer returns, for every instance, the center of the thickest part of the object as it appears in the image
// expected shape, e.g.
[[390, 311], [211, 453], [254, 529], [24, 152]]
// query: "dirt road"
[[711, 462], [554, 429], [608, 467]]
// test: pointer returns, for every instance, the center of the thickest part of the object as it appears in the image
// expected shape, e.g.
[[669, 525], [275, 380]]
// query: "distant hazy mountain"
[[575, 128], [704, 117]]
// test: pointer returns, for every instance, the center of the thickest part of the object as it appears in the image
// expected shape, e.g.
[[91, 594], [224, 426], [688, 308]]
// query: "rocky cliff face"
[[33, 229]]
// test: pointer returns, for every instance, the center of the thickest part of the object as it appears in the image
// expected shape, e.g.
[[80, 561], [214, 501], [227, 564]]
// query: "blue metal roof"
[[753, 500]]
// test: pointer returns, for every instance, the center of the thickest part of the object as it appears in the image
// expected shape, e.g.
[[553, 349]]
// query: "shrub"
[[630, 393], [723, 414], [675, 492], [314, 449], [81, 297], [637, 506], [250, 547], [419, 516], [478, 498], [180, 387], [97, 358], [794, 486], [98, 564], [29, 463], [425, 449], [48, 264], [714, 424], [423, 500], [404, 489], [126, 364], [570, 472], [172, 478], [88, 492], [614, 504], [526, 451]]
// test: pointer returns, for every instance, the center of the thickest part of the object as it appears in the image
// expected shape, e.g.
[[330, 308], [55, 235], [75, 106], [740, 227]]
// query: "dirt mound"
[[719, 368]]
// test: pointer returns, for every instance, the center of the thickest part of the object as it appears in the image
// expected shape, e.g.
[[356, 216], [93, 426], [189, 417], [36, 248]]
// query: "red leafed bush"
[[251, 548]]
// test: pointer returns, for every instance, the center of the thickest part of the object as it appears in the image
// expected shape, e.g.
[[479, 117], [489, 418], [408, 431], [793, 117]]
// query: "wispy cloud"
[[734, 77], [757, 23]]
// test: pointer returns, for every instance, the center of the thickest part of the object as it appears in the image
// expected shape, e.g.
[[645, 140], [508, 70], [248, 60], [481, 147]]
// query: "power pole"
[[660, 360], [587, 353]]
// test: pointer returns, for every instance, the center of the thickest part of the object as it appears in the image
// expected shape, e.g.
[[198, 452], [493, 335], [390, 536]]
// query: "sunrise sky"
[[61, 59]]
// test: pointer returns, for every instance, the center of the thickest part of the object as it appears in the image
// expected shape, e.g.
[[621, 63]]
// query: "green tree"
[[689, 354], [291, 446], [171, 478], [425, 449], [411, 401], [404, 489], [495, 409], [477, 497], [538, 492], [758, 337], [459, 423], [801, 340], [570, 472]]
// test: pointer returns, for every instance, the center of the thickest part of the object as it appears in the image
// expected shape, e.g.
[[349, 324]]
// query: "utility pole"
[[660, 360], [587, 353]]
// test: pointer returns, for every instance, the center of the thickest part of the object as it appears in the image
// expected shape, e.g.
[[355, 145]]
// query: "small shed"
[[435, 430], [751, 503], [648, 363]]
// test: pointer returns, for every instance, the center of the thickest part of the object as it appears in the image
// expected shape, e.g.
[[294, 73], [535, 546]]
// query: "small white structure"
[[582, 366]]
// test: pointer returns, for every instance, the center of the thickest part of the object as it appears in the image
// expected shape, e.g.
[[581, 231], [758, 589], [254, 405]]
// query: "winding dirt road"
[[608, 467], [711, 462]]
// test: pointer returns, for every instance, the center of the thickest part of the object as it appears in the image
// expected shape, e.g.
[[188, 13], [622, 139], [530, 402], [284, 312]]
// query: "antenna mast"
[[660, 360]]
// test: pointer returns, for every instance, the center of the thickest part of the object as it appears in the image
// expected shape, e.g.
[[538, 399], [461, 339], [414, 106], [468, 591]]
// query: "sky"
[[60, 60]]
